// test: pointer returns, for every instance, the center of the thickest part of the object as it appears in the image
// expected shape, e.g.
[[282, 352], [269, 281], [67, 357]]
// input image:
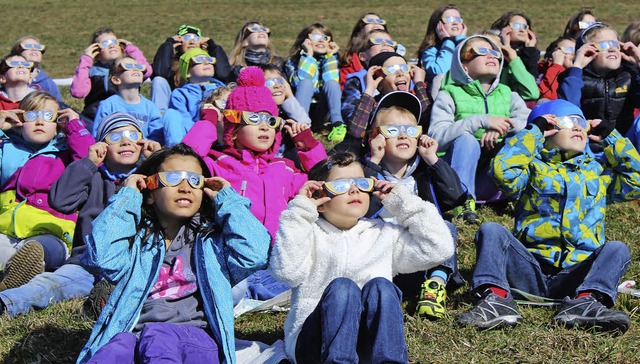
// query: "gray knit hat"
[[115, 121]]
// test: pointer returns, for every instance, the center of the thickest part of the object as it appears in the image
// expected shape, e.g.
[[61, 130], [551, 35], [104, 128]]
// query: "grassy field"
[[57, 334]]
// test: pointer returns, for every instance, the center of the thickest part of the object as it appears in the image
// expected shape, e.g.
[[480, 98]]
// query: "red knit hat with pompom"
[[251, 94]]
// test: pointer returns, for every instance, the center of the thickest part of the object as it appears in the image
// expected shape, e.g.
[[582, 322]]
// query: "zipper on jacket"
[[606, 99]]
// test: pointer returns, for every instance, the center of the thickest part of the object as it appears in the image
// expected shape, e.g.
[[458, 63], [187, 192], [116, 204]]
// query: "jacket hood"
[[460, 76]]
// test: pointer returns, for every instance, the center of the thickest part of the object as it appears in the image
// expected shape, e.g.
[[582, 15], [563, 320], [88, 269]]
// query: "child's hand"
[[136, 181], [595, 137], [148, 147], [509, 53], [505, 35], [307, 47], [377, 146], [630, 53], [532, 39], [585, 55], [333, 48], [67, 114], [558, 56], [92, 51], [213, 185], [489, 139], [382, 188], [294, 128], [204, 43], [372, 80], [98, 152], [500, 124], [441, 31], [427, 148], [418, 74], [10, 119], [124, 42], [309, 188], [177, 41]]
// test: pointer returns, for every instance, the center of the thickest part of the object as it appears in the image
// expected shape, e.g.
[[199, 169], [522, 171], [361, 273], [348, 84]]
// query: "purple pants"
[[160, 343]]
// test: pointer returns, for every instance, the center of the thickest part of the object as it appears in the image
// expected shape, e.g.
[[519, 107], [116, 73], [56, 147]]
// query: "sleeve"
[[78, 139], [50, 86], [246, 240], [292, 256], [310, 150], [222, 66], [295, 111], [307, 68], [81, 83], [137, 54], [69, 193], [180, 103], [549, 84], [436, 61], [522, 81], [571, 85], [108, 248], [530, 57], [445, 129], [446, 185], [519, 112], [351, 97], [359, 121], [330, 71], [202, 136], [155, 128], [423, 95], [163, 59], [623, 165]]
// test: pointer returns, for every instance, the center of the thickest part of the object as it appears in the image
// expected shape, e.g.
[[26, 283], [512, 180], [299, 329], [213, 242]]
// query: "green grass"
[[57, 334]]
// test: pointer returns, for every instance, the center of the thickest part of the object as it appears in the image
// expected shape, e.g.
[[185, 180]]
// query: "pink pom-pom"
[[251, 76]]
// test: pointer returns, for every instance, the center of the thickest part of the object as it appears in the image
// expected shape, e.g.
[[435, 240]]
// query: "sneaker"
[[467, 212], [93, 305], [587, 312], [25, 264], [490, 312], [432, 300], [338, 132]]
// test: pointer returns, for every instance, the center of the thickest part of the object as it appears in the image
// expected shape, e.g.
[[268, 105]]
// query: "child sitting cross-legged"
[[558, 247]]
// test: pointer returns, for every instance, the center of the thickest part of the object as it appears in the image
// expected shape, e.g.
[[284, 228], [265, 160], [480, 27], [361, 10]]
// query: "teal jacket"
[[561, 202], [222, 259]]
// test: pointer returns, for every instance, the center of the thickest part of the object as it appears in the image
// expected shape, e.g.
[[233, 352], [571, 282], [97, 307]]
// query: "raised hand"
[[213, 185], [98, 152]]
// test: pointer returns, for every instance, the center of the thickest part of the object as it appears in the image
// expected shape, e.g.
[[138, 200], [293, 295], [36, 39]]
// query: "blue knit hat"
[[556, 107], [115, 121]]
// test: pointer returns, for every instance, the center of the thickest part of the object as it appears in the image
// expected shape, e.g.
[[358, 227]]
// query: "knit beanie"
[[557, 107], [115, 121], [251, 94], [184, 29], [185, 61]]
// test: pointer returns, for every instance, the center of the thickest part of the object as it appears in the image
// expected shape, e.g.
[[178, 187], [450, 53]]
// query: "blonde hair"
[[401, 111], [217, 93], [36, 101], [594, 31], [236, 57], [17, 50]]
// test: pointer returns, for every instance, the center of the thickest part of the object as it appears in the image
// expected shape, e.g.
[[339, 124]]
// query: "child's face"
[[343, 211], [112, 51], [125, 152], [398, 80], [481, 66], [41, 132], [257, 39], [277, 89], [519, 35], [564, 45], [128, 77], [401, 148], [454, 28], [572, 141], [180, 202], [201, 70], [370, 26], [31, 55], [258, 138], [16, 75], [189, 44], [320, 46], [607, 60], [374, 49]]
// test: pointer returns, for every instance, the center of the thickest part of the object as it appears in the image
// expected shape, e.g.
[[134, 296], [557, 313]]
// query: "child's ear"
[[150, 200], [116, 80], [2, 79], [362, 57], [245, 43]]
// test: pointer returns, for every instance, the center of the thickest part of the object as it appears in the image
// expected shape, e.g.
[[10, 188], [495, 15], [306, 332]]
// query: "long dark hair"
[[294, 52], [149, 220], [355, 34], [431, 36]]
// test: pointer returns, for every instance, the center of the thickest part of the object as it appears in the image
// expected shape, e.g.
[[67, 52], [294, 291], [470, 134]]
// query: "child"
[[558, 246], [253, 48], [32, 50], [84, 187], [166, 62], [445, 30], [127, 76], [91, 80], [401, 154], [599, 83], [350, 60], [344, 307], [579, 22], [632, 33], [515, 29], [15, 78], [173, 240], [472, 115], [312, 70], [34, 154], [557, 58]]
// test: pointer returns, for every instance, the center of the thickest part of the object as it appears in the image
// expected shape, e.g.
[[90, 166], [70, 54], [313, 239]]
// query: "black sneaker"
[[467, 212], [25, 264], [490, 312], [588, 312], [98, 297]]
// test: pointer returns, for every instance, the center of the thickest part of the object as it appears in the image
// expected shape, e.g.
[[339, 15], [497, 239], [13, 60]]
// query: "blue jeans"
[[66, 282], [329, 101], [463, 156], [350, 324], [503, 261], [160, 93], [55, 250]]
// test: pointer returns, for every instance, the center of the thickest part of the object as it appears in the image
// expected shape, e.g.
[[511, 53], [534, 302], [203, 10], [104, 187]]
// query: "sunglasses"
[[220, 104], [174, 178], [516, 26], [481, 51], [568, 50], [394, 68], [33, 115], [271, 82], [190, 37], [253, 118], [394, 131], [319, 37], [203, 59], [16, 64], [123, 67], [116, 137], [258, 28], [451, 19], [37, 47], [585, 24], [342, 186], [382, 41], [107, 43], [607, 44], [374, 21], [570, 121]]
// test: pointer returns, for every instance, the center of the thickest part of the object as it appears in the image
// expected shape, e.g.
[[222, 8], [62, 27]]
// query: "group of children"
[[167, 212]]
